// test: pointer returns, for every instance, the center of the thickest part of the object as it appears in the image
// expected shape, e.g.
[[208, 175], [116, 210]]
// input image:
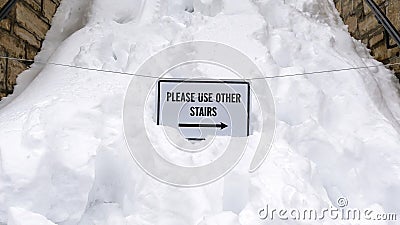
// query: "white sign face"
[[201, 108]]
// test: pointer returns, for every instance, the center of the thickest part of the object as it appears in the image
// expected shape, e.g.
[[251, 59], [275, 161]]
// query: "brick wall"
[[364, 26], [21, 36]]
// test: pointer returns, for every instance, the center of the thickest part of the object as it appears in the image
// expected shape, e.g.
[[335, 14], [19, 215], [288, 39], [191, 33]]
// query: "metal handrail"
[[6, 9], [381, 17]]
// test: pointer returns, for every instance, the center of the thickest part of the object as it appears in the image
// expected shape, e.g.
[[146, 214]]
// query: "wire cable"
[[153, 77], [77, 67]]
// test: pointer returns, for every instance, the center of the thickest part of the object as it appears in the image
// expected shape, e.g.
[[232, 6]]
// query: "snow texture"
[[63, 158]]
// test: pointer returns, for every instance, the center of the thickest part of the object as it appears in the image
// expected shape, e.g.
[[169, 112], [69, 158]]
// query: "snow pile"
[[18, 216], [63, 158]]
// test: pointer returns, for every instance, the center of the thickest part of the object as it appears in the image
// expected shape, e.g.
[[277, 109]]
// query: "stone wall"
[[21, 36], [363, 26]]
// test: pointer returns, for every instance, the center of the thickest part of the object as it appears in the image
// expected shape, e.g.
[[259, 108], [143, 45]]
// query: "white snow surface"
[[63, 158]]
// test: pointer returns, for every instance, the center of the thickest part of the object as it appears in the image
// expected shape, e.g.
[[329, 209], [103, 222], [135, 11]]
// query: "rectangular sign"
[[200, 108]]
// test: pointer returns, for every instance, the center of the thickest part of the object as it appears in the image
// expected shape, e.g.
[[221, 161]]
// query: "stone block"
[[2, 3], [351, 21], [347, 8], [35, 5], [30, 21], [58, 2], [357, 4], [2, 95], [338, 5], [394, 53], [393, 13], [27, 36], [367, 9], [376, 39], [380, 52], [49, 9], [5, 24], [14, 46], [2, 73], [31, 52], [14, 69], [368, 24]]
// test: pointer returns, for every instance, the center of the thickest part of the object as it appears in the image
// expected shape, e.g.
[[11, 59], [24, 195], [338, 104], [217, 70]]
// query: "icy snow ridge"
[[63, 158]]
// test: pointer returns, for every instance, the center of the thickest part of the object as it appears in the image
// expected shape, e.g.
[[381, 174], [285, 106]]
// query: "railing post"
[[6, 9], [381, 17]]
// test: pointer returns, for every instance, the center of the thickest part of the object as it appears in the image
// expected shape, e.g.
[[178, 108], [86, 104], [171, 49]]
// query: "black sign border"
[[204, 81]]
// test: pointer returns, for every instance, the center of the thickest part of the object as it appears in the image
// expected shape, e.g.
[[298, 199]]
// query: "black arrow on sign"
[[209, 125]]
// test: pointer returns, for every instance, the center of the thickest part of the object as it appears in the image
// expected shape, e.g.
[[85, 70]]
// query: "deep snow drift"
[[63, 158]]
